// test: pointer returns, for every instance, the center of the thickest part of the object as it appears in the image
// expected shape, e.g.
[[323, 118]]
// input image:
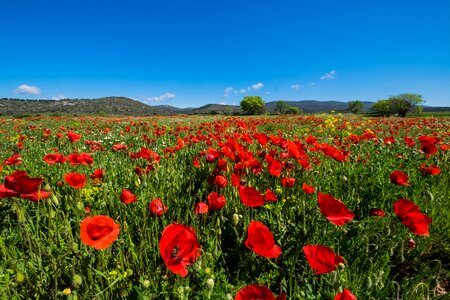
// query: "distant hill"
[[128, 107]]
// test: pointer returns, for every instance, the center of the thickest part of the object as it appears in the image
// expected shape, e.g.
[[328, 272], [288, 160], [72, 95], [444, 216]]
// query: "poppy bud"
[[235, 219], [77, 280], [47, 187], [208, 271], [243, 182], [229, 297], [210, 158], [210, 283], [20, 277], [411, 244], [55, 200], [80, 205], [146, 283]]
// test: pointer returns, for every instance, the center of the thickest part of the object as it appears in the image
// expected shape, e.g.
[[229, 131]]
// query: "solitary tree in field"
[[253, 105], [355, 106], [399, 105]]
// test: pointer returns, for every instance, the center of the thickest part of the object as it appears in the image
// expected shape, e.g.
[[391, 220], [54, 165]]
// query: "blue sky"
[[190, 53]]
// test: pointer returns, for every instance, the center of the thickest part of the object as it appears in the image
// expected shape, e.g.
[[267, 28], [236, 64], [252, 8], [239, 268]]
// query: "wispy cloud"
[[59, 97], [27, 89], [164, 97], [242, 91], [312, 85], [329, 75], [257, 86], [296, 86], [228, 91], [222, 103]]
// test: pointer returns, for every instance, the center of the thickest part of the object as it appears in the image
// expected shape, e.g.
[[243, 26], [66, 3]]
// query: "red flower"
[[157, 208], [99, 231], [127, 197], [81, 158], [16, 159], [275, 167], [410, 215], [75, 180], [345, 295], [288, 181], [411, 244], [257, 292], [21, 183], [250, 196], [399, 178], [36, 196], [321, 258], [376, 212], [270, 196], [98, 173], [179, 248], [260, 240], [201, 208], [432, 170], [196, 162], [220, 181], [54, 158], [216, 201], [334, 210], [308, 188], [119, 146], [73, 137]]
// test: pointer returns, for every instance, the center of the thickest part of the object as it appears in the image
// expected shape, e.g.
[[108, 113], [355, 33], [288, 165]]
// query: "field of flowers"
[[190, 207]]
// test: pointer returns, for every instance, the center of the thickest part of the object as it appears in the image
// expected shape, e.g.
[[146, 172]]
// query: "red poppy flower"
[[157, 208], [275, 167], [99, 231], [16, 159], [179, 248], [119, 146], [21, 183], [196, 162], [308, 188], [432, 170], [270, 196], [260, 240], [288, 181], [321, 258], [127, 197], [411, 244], [216, 201], [220, 181], [54, 158], [257, 292], [36, 196], [73, 137], [75, 180], [410, 215], [235, 180], [201, 208], [98, 174], [76, 159], [345, 295], [334, 210], [376, 212], [399, 178], [250, 196]]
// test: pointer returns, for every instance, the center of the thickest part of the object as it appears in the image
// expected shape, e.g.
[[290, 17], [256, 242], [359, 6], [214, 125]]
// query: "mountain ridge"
[[115, 105]]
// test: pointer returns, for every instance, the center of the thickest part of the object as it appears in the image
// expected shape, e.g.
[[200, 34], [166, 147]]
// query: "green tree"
[[295, 110], [415, 101], [382, 108], [399, 106], [253, 105], [355, 106], [282, 107]]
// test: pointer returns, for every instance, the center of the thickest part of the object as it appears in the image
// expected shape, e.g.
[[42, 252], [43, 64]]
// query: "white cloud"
[[242, 91], [330, 75], [222, 103], [257, 86], [296, 86], [228, 91], [59, 97], [164, 97], [312, 84], [27, 89]]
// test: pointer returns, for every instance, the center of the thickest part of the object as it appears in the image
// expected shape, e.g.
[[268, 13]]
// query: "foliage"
[[355, 106], [282, 107], [182, 161], [295, 110], [399, 105], [253, 105]]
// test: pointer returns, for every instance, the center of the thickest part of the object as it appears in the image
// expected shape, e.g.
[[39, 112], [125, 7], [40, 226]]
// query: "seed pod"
[[210, 283], [235, 219], [77, 280]]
